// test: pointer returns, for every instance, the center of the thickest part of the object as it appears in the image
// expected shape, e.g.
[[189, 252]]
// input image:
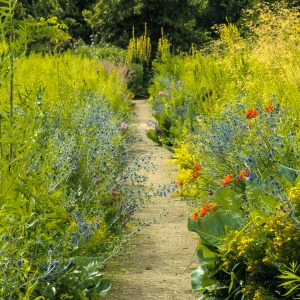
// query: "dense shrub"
[[68, 182], [237, 151], [261, 64]]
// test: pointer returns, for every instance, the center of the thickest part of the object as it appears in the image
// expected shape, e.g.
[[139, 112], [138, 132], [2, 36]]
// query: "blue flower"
[[5, 238], [56, 264], [19, 263]]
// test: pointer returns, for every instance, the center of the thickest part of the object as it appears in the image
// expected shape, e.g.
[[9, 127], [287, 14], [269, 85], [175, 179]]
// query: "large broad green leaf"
[[288, 173], [166, 123], [163, 121], [171, 149], [228, 199], [152, 135], [200, 279], [212, 228], [83, 261], [102, 287], [197, 278], [261, 203], [208, 252]]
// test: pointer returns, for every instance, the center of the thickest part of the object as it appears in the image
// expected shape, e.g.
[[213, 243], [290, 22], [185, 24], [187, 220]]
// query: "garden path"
[[159, 264]]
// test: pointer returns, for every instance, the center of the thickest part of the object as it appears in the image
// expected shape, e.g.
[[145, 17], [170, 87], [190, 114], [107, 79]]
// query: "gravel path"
[[159, 264]]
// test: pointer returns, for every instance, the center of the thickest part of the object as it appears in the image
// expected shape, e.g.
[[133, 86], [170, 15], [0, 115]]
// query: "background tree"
[[112, 20], [67, 12], [222, 11]]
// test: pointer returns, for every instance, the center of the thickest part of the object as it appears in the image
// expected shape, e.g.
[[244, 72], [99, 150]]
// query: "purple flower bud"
[[210, 192]]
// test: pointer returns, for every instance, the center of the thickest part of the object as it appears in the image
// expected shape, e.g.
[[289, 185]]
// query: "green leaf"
[[30, 289], [85, 261], [261, 203], [198, 279], [54, 226], [166, 123], [212, 228], [152, 135], [208, 252], [202, 280], [228, 199], [288, 173], [102, 287], [171, 149]]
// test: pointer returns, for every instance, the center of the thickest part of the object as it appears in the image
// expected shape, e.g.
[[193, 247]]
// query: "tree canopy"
[[111, 21]]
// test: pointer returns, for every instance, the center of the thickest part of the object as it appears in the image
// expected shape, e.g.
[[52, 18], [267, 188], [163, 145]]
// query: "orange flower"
[[203, 211], [197, 167], [269, 108], [227, 179], [214, 206], [206, 208], [244, 173], [180, 182], [251, 113], [194, 216], [196, 174]]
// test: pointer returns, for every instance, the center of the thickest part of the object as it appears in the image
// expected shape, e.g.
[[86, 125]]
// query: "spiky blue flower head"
[[5, 238], [20, 263], [56, 264]]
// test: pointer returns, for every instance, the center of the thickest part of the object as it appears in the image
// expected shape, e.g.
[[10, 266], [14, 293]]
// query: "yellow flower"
[[266, 259]]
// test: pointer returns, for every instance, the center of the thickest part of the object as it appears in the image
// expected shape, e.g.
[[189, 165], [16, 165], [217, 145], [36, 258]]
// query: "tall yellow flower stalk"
[[163, 47], [139, 49]]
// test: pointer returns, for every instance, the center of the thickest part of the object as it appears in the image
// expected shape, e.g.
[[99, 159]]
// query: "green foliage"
[[231, 68], [42, 35], [239, 151], [112, 21], [67, 13], [182, 96], [102, 52], [67, 186], [220, 11], [46, 35], [139, 63], [292, 280], [153, 135], [139, 49], [51, 185]]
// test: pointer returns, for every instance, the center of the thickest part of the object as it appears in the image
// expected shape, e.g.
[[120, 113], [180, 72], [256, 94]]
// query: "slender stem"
[[11, 86], [1, 157]]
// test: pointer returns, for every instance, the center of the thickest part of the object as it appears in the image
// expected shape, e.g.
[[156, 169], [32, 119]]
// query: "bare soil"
[[162, 254]]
